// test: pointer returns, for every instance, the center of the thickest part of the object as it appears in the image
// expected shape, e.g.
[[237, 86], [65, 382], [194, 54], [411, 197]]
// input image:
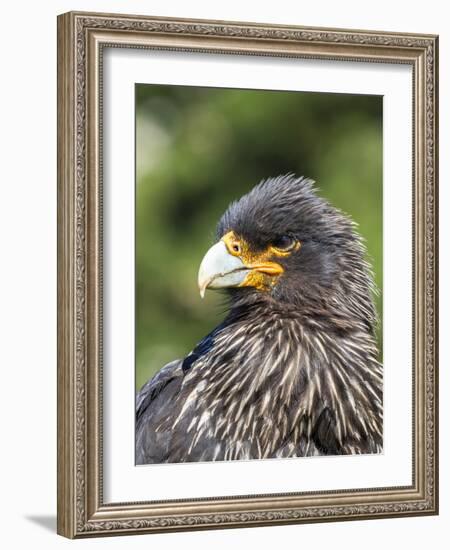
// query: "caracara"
[[292, 370]]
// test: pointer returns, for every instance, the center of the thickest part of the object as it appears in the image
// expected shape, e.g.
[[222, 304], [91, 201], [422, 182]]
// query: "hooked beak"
[[228, 263], [219, 269]]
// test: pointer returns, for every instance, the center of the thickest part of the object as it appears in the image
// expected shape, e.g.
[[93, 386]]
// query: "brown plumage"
[[292, 370]]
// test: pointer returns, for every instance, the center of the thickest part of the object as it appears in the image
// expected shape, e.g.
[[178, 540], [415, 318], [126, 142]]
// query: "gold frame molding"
[[81, 39]]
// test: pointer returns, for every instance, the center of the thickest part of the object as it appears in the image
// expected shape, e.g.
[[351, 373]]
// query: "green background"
[[197, 149]]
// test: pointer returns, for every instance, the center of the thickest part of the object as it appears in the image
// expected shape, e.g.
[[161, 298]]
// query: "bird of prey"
[[292, 370]]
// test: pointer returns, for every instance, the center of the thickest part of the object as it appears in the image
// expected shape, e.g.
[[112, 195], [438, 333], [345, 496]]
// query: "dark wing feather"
[[152, 403], [202, 348], [161, 399], [324, 433]]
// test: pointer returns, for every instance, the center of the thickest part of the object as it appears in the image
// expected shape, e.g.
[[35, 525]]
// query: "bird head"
[[282, 242]]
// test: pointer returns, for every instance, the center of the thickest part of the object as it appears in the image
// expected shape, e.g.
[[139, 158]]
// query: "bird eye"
[[284, 242]]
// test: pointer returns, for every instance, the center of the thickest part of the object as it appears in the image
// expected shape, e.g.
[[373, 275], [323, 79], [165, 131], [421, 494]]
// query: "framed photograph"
[[247, 274]]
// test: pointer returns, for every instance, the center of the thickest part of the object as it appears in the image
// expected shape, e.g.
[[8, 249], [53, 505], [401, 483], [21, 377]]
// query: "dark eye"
[[284, 242]]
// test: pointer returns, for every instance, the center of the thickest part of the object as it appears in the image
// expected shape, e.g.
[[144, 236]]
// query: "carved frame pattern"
[[81, 37]]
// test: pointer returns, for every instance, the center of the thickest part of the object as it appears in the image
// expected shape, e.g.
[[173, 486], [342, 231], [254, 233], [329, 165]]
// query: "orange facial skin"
[[264, 272]]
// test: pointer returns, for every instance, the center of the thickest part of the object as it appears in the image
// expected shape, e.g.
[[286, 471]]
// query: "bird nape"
[[292, 370]]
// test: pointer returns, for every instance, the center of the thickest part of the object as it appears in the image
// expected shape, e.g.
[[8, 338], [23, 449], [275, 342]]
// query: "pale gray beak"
[[220, 269]]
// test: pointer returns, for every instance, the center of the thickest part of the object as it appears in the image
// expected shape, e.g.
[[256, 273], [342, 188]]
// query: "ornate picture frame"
[[82, 38]]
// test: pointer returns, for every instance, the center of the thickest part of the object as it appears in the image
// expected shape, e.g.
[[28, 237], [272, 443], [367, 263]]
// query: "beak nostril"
[[236, 248]]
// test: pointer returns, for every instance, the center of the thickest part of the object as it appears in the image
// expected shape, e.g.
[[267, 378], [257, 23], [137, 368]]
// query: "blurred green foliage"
[[197, 149]]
